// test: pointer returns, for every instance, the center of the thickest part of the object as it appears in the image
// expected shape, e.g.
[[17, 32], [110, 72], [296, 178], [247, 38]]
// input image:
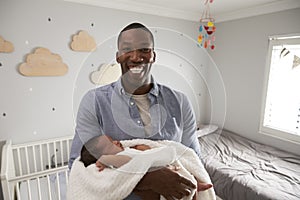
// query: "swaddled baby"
[[106, 152]]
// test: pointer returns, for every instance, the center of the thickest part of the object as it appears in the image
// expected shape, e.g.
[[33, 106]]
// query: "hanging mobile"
[[207, 28]]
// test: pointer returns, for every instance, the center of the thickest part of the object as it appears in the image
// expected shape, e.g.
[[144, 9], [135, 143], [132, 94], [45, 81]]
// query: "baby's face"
[[115, 142]]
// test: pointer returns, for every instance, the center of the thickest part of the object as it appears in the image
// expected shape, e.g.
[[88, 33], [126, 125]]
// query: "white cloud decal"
[[107, 73]]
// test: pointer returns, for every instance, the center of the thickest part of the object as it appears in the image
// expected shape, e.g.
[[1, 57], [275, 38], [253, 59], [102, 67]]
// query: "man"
[[137, 107]]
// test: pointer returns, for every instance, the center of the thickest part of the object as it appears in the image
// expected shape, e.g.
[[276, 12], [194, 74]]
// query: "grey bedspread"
[[244, 170]]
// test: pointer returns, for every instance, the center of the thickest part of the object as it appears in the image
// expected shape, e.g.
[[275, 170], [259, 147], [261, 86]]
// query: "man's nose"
[[135, 55]]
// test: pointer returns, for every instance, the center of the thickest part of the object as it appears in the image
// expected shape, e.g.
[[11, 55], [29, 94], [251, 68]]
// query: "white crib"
[[36, 170]]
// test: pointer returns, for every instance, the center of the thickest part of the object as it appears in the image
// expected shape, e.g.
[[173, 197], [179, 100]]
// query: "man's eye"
[[145, 50], [126, 49]]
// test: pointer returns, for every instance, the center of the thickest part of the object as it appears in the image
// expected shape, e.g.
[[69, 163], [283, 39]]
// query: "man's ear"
[[153, 58], [117, 57]]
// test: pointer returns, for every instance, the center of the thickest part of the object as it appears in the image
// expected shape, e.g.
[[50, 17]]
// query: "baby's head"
[[93, 149]]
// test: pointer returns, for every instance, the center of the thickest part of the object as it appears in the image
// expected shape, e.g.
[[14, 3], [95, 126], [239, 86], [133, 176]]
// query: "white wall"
[[33, 108], [240, 55]]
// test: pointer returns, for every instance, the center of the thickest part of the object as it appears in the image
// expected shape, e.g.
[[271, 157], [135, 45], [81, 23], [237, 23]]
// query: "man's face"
[[136, 56]]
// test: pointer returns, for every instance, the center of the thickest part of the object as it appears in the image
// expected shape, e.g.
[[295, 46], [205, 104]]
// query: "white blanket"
[[116, 184]]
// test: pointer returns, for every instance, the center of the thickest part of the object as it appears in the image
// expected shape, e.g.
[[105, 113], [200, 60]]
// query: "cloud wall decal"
[[83, 42], [6, 46], [43, 63], [107, 73]]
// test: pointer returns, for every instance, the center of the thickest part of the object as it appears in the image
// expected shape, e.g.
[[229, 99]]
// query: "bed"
[[241, 169], [36, 170]]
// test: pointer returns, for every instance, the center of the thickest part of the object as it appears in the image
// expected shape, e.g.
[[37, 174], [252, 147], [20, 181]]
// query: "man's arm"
[[87, 125], [166, 182], [189, 136]]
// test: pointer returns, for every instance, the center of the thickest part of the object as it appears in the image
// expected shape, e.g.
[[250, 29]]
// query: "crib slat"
[[39, 188], [68, 149], [17, 191], [34, 159], [54, 154], [27, 161], [61, 153], [66, 177], [43, 167], [19, 160], [57, 185], [29, 190], [48, 156], [49, 188]]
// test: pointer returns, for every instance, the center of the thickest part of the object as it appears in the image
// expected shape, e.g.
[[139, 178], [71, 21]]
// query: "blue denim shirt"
[[110, 110]]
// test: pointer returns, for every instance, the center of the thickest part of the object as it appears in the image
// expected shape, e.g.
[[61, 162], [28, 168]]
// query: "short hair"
[[136, 25], [85, 155]]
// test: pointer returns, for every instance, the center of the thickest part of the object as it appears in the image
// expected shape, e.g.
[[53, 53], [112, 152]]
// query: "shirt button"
[[131, 103], [138, 121]]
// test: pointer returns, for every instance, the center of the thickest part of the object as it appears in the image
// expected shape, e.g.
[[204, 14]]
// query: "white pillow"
[[206, 129]]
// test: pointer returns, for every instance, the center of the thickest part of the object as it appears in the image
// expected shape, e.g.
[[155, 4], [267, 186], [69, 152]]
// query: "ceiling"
[[221, 10]]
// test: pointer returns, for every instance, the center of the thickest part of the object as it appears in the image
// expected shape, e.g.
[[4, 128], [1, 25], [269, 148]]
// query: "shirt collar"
[[154, 90]]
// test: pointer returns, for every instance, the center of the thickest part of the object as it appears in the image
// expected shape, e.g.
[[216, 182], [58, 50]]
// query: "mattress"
[[241, 169]]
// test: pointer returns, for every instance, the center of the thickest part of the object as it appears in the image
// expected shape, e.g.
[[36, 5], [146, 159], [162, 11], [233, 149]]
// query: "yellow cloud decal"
[[43, 63], [107, 73], [6, 46], [83, 42]]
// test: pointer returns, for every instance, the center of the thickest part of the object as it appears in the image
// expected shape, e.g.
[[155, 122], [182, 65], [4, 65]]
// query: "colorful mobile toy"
[[207, 28]]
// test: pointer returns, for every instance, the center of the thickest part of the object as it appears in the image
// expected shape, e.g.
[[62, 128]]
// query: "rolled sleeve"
[[87, 125], [189, 137]]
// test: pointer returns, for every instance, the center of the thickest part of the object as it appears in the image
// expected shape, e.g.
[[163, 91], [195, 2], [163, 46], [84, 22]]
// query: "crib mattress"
[[241, 169]]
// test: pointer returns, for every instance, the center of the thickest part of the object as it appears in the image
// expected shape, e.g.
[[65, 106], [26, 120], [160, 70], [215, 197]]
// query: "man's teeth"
[[136, 69]]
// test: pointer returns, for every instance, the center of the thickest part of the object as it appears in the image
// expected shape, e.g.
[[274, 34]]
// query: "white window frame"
[[280, 134]]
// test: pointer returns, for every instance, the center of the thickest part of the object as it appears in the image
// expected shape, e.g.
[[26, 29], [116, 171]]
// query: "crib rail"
[[35, 169], [41, 155]]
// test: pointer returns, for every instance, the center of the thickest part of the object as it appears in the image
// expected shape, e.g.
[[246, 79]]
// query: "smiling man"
[[136, 55], [138, 107]]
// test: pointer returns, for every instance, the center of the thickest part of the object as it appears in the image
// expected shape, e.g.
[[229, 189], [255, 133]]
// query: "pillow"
[[206, 129]]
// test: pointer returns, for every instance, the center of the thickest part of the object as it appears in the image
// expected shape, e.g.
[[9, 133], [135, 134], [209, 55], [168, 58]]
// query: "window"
[[281, 104]]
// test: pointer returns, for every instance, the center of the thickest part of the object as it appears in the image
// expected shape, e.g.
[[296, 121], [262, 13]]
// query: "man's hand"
[[166, 182], [147, 194]]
